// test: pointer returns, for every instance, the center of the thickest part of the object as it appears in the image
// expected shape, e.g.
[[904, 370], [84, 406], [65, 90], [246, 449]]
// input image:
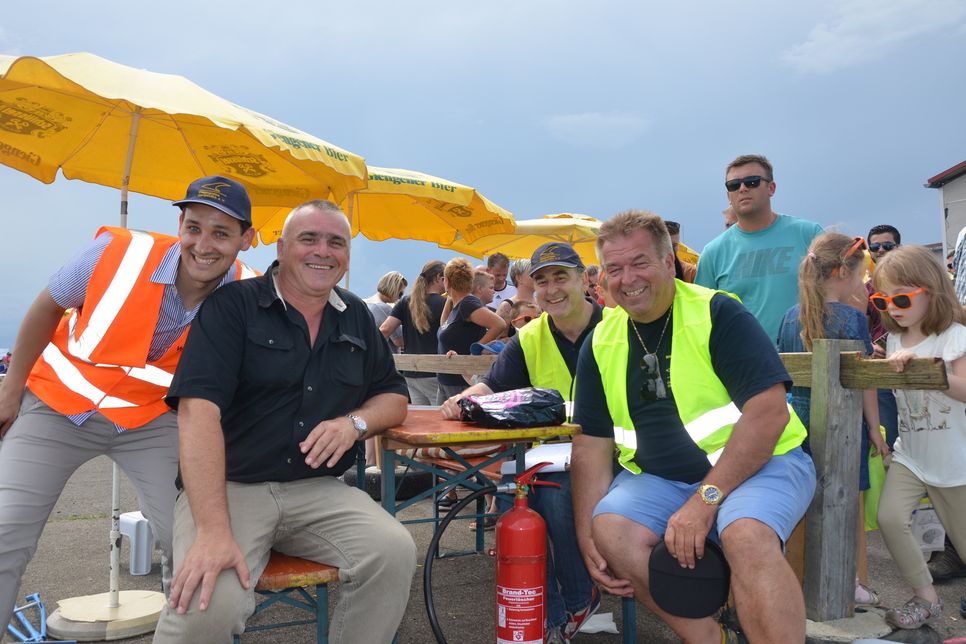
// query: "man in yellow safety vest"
[[691, 391]]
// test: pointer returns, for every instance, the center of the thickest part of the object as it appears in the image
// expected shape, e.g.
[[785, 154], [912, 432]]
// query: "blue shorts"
[[777, 495]]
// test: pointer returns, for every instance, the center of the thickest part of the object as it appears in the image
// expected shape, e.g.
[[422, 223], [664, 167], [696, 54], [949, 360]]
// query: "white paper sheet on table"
[[558, 454]]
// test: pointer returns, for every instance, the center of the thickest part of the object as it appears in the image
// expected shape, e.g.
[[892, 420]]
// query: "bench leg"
[[322, 614], [629, 617]]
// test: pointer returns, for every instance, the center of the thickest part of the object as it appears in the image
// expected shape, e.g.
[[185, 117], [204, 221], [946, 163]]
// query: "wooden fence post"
[[830, 533]]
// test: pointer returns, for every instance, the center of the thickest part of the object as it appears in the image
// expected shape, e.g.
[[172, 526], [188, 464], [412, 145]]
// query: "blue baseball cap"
[[496, 346], [555, 254], [227, 195]]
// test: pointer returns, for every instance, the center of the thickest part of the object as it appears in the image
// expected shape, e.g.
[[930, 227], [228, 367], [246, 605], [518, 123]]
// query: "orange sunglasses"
[[899, 300], [858, 242]]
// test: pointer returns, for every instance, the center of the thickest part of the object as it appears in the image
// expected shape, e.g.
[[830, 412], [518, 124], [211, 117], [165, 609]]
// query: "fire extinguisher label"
[[520, 615]]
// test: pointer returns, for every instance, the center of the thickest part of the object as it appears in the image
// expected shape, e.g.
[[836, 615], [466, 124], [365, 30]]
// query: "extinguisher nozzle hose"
[[506, 488]]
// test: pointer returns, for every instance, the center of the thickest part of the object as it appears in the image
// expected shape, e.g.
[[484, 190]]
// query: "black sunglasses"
[[653, 387], [750, 182], [875, 246]]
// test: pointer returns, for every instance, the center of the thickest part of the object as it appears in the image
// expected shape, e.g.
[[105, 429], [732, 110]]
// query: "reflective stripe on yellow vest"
[[703, 403], [97, 357], [545, 365]]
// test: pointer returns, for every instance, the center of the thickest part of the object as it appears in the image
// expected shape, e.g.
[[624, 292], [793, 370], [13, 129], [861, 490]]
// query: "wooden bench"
[[491, 471], [290, 580]]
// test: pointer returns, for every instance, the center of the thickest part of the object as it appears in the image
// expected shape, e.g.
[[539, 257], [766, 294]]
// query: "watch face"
[[711, 494]]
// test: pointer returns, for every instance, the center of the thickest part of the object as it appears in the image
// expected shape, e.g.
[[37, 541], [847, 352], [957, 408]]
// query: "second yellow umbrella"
[[402, 204], [580, 231]]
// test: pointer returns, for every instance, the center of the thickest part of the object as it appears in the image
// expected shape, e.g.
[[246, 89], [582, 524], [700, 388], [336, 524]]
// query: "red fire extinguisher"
[[521, 568]]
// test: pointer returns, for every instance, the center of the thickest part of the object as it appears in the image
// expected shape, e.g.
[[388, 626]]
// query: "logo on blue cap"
[[227, 195]]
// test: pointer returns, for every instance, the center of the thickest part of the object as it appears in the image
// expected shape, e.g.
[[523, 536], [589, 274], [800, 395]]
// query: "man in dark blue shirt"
[[280, 383]]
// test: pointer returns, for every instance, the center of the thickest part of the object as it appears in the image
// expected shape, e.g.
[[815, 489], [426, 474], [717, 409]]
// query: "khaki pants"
[[900, 496], [41, 452], [321, 519]]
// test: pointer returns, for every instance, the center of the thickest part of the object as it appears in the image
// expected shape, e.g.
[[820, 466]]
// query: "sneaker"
[[946, 565], [556, 636], [575, 621], [732, 636], [914, 613]]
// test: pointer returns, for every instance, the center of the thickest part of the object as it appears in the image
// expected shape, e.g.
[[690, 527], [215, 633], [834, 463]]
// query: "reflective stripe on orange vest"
[[110, 303]]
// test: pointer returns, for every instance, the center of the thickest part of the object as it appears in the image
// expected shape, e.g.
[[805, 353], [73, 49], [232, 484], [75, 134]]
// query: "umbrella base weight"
[[88, 619]]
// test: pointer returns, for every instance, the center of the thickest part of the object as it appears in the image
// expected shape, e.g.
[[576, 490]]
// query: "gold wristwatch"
[[711, 494]]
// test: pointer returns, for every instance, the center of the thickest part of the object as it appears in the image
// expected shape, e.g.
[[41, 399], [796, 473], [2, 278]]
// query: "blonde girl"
[[924, 319], [832, 305]]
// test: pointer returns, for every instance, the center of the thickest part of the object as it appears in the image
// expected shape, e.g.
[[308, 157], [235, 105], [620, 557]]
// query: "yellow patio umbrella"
[[402, 204], [106, 123], [580, 231], [687, 254]]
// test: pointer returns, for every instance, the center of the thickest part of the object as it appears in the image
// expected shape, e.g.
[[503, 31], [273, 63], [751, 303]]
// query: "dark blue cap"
[[555, 254], [227, 195]]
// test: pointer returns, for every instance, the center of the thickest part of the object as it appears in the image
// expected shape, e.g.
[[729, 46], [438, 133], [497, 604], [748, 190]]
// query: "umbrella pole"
[[95, 618], [115, 538], [128, 162], [114, 614], [350, 199]]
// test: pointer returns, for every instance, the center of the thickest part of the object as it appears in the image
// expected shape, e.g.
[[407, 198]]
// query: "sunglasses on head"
[[900, 300], [522, 318], [858, 243], [887, 246], [653, 387], [749, 182]]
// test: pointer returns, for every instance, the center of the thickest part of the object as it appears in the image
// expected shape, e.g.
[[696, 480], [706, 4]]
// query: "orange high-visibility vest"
[[98, 356]]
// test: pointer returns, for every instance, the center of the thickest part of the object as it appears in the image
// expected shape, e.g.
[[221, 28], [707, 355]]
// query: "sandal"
[[488, 524], [447, 500], [914, 613], [865, 596]]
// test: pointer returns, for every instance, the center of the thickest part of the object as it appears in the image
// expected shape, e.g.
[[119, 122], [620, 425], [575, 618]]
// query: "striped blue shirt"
[[68, 288]]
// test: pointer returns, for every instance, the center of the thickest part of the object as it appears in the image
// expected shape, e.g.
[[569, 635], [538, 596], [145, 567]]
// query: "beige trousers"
[[42, 451], [900, 496], [322, 519]]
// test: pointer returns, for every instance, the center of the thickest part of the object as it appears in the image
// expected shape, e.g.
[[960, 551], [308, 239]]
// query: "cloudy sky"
[[544, 106]]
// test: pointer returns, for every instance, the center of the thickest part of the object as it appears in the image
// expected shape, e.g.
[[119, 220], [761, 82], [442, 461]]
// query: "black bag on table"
[[528, 407]]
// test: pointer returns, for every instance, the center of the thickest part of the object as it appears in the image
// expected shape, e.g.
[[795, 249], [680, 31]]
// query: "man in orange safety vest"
[[92, 362]]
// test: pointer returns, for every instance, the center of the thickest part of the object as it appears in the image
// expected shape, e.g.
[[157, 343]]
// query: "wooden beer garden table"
[[425, 427]]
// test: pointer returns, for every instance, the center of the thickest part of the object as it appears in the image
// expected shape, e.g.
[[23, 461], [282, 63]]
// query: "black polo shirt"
[[249, 354], [509, 371]]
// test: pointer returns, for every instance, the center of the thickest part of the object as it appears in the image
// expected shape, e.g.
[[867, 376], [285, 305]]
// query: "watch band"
[[359, 424]]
